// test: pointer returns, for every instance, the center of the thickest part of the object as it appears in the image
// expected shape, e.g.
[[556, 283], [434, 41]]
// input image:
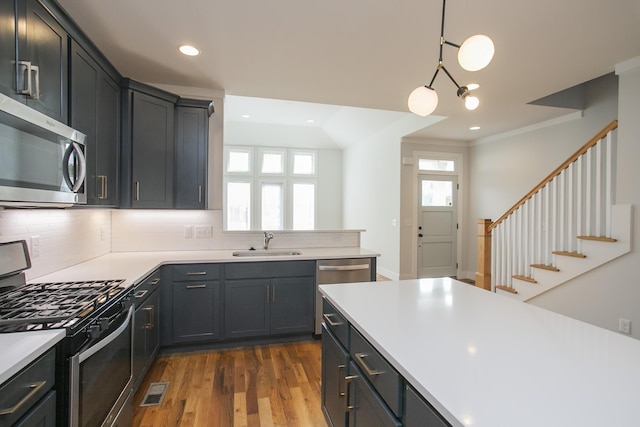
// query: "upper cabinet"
[[7, 48], [148, 145], [41, 64], [192, 131], [95, 111]]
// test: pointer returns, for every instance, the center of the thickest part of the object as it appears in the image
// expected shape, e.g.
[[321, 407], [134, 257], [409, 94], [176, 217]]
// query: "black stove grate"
[[54, 305]]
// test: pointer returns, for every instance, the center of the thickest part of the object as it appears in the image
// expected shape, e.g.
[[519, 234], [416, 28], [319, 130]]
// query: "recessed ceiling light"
[[246, 116], [474, 128], [473, 86], [188, 50], [311, 121]]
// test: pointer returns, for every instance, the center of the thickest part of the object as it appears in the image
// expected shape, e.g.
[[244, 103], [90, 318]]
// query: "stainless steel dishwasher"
[[345, 270]]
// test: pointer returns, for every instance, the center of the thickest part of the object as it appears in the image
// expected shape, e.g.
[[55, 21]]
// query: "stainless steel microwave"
[[42, 161]]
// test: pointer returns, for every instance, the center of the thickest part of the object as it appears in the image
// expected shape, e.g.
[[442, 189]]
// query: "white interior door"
[[437, 225]]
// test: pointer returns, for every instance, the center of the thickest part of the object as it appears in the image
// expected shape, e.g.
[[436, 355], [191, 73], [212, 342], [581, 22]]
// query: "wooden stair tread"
[[524, 278], [506, 289], [598, 238], [571, 254], [545, 267]]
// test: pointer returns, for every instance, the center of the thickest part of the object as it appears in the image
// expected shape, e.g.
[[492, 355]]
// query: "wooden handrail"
[[592, 142]]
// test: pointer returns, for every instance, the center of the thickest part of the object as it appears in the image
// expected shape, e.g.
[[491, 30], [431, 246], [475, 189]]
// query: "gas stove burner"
[[54, 305]]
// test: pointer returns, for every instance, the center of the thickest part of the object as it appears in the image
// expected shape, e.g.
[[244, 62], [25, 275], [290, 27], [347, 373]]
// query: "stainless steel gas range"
[[94, 360]]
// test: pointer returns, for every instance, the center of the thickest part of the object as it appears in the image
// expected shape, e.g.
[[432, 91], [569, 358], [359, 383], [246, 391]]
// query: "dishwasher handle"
[[343, 267]]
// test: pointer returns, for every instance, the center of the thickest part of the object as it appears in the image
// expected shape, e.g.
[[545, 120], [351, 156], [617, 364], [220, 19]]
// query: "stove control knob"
[[94, 331]]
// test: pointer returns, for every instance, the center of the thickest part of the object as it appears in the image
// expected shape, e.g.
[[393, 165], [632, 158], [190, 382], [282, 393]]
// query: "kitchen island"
[[484, 360]]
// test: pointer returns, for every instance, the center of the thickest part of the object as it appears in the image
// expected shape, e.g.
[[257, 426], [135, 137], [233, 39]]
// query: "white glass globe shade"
[[471, 102], [422, 101], [476, 52]]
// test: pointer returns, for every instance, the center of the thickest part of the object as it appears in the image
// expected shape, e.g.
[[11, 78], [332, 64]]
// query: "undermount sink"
[[262, 252]]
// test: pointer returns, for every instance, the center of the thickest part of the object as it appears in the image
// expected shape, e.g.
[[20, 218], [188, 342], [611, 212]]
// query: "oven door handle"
[[107, 340]]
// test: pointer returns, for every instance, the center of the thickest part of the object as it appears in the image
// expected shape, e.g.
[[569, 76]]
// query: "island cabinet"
[[146, 326], [360, 387], [95, 111], [192, 137], [191, 304], [148, 145], [269, 298], [29, 397], [39, 61]]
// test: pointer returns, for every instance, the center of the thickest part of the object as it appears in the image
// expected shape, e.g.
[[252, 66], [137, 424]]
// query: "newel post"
[[483, 275]]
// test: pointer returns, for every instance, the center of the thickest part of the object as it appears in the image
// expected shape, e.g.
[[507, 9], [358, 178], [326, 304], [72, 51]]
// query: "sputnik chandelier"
[[474, 54]]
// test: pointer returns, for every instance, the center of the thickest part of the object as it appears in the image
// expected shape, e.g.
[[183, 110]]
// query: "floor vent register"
[[155, 394]]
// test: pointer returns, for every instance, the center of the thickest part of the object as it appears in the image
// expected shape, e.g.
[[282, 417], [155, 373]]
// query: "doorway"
[[437, 225]]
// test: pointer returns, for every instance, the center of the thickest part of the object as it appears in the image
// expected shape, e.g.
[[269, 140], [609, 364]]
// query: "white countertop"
[[484, 360], [21, 348], [134, 266]]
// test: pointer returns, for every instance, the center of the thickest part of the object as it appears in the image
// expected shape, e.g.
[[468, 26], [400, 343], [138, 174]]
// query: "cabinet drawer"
[[367, 409], [20, 393], [193, 272], [268, 269], [382, 376], [335, 322], [419, 413], [143, 290]]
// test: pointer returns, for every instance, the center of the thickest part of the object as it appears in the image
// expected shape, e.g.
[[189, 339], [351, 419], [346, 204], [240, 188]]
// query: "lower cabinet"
[[360, 387], [146, 336], [196, 311]]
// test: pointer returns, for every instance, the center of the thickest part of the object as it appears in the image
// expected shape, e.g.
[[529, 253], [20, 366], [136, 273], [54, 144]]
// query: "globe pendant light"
[[474, 54]]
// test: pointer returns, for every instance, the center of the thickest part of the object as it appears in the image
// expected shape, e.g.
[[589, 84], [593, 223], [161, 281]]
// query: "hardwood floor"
[[270, 385]]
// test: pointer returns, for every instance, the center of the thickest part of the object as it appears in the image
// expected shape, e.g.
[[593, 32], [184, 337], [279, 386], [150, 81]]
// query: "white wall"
[[613, 290]]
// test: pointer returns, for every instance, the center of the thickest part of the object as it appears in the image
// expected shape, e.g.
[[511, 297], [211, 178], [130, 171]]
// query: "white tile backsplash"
[[66, 236], [71, 236]]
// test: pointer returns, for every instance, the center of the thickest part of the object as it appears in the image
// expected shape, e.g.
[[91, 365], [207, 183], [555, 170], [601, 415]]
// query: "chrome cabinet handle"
[[27, 73], [347, 381], [151, 312], [140, 294], [35, 387], [267, 294], [199, 193], [196, 286], [196, 273], [341, 394], [103, 187], [155, 281], [36, 69], [273, 294], [327, 317], [371, 372], [137, 190]]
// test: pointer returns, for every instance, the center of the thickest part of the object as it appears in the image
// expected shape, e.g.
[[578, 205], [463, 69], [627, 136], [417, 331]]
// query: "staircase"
[[564, 227]]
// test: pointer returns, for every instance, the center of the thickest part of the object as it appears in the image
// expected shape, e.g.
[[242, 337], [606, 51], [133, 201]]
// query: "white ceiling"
[[366, 54]]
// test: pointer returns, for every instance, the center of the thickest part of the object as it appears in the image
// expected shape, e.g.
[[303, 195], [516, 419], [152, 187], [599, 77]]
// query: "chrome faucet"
[[267, 238]]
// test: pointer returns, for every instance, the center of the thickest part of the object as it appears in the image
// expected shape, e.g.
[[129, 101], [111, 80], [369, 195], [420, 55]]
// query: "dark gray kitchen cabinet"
[[41, 66], [146, 336], [191, 299], [419, 413], [95, 111], [335, 360], [269, 298], [7, 48], [366, 408], [192, 137], [148, 146]]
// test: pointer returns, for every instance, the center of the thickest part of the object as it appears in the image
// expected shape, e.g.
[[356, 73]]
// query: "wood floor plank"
[[272, 385]]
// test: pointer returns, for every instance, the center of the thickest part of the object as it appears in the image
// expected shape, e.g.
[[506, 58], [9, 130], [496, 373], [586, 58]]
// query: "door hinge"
[[457, 186], [457, 226], [456, 265]]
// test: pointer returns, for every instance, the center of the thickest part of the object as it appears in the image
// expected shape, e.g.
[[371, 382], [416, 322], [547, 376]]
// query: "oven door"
[[101, 376]]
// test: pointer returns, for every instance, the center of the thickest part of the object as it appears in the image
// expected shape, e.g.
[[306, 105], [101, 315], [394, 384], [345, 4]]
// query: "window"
[[436, 165], [437, 193], [265, 195]]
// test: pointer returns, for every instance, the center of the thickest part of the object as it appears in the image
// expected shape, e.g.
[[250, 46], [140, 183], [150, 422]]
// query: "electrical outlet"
[[624, 325], [35, 246], [203, 231], [188, 232]]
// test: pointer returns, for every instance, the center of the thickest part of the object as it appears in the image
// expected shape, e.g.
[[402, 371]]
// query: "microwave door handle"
[[82, 166]]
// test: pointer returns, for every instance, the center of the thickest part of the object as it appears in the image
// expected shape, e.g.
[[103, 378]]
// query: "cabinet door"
[[418, 413], [367, 407], [152, 151], [334, 369], [43, 43], [196, 311], [7, 48], [43, 414], [292, 305], [108, 141], [191, 157], [246, 308]]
